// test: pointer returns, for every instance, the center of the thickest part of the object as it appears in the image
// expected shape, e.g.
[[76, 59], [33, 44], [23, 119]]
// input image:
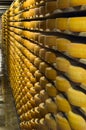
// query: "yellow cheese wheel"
[[42, 53], [41, 11], [77, 24], [42, 25], [50, 24], [83, 85], [62, 104], [50, 73], [61, 44], [62, 84], [32, 102], [51, 106], [43, 125], [77, 3], [42, 67], [80, 99], [51, 6], [76, 50], [36, 12], [37, 62], [36, 123], [26, 24], [50, 41], [25, 14], [50, 121], [31, 13], [41, 39], [32, 91], [37, 112], [50, 57], [37, 99], [51, 90], [62, 24], [27, 3], [62, 122], [43, 109], [62, 64], [43, 95], [36, 35], [63, 4], [36, 49], [32, 58], [76, 74], [37, 74], [37, 87], [43, 81], [76, 121]]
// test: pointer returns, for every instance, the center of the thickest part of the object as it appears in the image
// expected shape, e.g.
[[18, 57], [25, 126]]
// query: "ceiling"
[[4, 4]]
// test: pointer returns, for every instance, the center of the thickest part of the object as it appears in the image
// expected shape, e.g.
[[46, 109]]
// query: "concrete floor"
[[8, 116]]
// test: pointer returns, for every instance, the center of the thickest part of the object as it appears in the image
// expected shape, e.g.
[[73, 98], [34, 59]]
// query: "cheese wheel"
[[62, 104], [42, 25], [62, 122], [51, 106], [36, 123], [43, 81], [76, 121], [37, 112], [37, 62], [37, 87], [37, 74], [37, 99], [50, 121], [76, 74], [36, 35], [51, 90], [25, 14], [51, 6], [76, 50], [32, 58], [42, 67], [42, 11], [43, 125], [62, 24], [42, 53], [62, 4], [62, 84], [62, 64], [50, 57], [32, 91], [41, 39], [77, 24], [50, 41], [80, 99], [36, 49], [31, 13], [61, 44], [77, 3], [50, 73], [32, 102], [50, 24], [83, 85], [43, 95], [36, 12], [43, 109], [26, 24]]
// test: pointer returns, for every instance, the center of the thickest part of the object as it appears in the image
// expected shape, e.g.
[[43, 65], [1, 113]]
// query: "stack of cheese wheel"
[[44, 74]]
